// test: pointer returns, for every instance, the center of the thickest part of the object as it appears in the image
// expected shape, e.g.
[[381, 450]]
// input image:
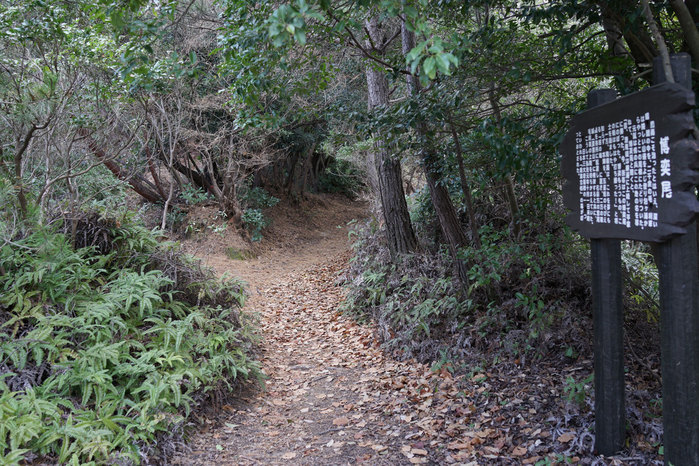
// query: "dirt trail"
[[322, 403]]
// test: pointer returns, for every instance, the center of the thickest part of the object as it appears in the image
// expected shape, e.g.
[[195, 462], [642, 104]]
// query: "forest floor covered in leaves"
[[334, 397]]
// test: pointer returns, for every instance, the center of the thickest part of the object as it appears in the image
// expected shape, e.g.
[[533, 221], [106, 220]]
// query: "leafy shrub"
[[258, 198], [517, 292], [255, 221], [343, 177], [642, 278], [106, 349], [417, 304], [577, 392], [254, 200], [194, 195]]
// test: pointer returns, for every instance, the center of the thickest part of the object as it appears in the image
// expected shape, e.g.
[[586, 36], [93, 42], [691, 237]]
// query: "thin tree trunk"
[[441, 201], [473, 222], [137, 184], [689, 28], [512, 202], [509, 183], [399, 231], [639, 44], [171, 192], [154, 173], [448, 220], [163, 222], [19, 183], [659, 40]]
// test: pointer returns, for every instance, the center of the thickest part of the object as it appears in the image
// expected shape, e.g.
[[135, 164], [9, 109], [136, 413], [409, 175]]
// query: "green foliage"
[[255, 221], [430, 57], [342, 176], [258, 66], [518, 290], [525, 284], [194, 195], [577, 392], [99, 357], [493, 269], [257, 198], [415, 303], [642, 280], [254, 200], [289, 22]]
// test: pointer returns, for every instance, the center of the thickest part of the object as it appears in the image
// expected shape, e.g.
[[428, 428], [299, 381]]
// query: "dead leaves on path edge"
[[402, 409]]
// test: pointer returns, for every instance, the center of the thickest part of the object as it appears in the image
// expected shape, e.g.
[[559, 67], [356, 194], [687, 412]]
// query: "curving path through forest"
[[332, 396]]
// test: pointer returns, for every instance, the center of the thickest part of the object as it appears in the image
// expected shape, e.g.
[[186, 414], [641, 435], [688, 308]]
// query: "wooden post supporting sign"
[[679, 321], [608, 316]]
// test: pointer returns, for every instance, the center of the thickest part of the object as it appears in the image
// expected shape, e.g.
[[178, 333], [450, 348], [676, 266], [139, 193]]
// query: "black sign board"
[[630, 168]]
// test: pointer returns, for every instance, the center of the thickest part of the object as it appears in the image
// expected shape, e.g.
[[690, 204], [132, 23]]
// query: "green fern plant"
[[97, 354]]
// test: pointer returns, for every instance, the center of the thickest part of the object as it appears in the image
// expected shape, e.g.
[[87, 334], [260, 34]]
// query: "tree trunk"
[[154, 173], [448, 220], [689, 28], [195, 176], [298, 175], [509, 183], [473, 222], [638, 41], [138, 183], [373, 180], [22, 147], [307, 167], [399, 231], [615, 39], [441, 201], [693, 7]]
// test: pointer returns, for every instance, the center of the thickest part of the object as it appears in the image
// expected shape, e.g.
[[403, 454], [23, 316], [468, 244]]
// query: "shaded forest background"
[[120, 117]]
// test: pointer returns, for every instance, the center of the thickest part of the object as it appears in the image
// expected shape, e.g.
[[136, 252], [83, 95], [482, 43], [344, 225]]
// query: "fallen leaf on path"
[[459, 446], [567, 437]]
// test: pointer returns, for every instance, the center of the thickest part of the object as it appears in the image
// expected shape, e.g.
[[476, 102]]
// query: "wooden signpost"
[[630, 167]]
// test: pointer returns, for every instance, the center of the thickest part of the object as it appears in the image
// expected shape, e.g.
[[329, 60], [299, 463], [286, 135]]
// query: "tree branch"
[[365, 52], [137, 184], [691, 35], [662, 46]]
